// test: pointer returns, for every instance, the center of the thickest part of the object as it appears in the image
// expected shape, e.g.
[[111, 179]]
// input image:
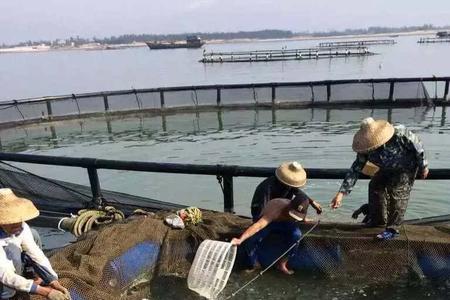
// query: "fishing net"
[[130, 258], [191, 98], [65, 197], [118, 261], [126, 259]]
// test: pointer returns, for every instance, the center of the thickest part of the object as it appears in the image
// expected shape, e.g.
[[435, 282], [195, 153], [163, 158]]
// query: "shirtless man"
[[279, 215]]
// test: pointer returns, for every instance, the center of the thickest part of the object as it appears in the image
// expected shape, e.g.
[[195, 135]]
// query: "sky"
[[22, 20]]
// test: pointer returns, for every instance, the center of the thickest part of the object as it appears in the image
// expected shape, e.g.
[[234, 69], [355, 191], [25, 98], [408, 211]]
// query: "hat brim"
[[361, 144], [292, 183], [296, 215], [22, 211]]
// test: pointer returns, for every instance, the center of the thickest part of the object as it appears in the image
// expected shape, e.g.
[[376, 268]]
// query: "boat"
[[192, 41], [443, 34]]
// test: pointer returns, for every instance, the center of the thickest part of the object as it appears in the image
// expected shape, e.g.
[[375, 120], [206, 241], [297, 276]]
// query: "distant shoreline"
[[101, 47], [85, 47], [307, 37]]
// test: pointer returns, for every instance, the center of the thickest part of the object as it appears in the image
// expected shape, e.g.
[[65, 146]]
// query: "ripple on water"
[[318, 138]]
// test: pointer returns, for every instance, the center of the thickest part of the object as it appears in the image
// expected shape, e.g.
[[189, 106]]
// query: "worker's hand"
[[236, 242], [317, 207], [337, 200], [57, 295], [57, 286], [424, 173]]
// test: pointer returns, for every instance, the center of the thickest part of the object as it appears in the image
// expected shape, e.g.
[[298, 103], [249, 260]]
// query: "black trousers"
[[389, 194]]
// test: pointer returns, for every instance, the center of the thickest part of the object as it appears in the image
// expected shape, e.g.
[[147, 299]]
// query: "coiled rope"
[[86, 219], [193, 215]]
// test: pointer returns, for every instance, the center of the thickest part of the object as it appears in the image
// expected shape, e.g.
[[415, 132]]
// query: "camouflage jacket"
[[402, 153]]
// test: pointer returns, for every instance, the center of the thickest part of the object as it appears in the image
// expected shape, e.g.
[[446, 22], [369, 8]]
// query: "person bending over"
[[289, 177], [393, 156]]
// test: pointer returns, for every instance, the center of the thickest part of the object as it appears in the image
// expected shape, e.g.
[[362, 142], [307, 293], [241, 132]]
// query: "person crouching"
[[279, 215], [17, 247]]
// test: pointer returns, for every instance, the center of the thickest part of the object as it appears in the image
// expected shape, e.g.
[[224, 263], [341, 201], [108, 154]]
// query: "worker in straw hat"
[[393, 156], [278, 215], [17, 247], [283, 184]]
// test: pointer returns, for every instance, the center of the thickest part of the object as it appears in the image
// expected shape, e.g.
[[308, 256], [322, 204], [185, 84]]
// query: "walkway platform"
[[357, 43], [284, 54], [433, 40]]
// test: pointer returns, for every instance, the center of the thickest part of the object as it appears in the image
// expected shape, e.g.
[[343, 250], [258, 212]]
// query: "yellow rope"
[[194, 215], [87, 219]]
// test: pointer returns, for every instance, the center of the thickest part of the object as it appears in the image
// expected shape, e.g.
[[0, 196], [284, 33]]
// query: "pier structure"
[[357, 43], [284, 54], [429, 40]]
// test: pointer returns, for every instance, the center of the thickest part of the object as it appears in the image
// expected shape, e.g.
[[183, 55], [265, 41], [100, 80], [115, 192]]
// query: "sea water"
[[317, 138]]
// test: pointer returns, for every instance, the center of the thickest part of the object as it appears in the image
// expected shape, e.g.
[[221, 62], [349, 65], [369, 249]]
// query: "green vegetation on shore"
[[259, 34]]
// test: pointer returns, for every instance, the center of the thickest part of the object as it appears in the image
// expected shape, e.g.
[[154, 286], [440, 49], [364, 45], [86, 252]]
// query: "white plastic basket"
[[211, 268]]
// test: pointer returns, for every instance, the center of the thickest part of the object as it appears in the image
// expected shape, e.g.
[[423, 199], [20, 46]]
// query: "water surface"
[[317, 138], [66, 72]]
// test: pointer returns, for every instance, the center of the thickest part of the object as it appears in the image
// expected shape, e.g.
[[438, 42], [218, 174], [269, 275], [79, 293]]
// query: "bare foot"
[[282, 266]]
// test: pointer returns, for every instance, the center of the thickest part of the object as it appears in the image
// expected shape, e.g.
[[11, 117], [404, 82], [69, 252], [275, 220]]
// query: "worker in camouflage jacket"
[[393, 156]]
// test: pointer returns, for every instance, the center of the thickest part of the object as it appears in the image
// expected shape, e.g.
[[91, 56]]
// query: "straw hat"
[[298, 208], [14, 209], [291, 174], [371, 135]]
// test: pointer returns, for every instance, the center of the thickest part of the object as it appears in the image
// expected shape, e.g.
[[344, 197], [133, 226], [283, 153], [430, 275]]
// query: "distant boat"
[[191, 42], [443, 34]]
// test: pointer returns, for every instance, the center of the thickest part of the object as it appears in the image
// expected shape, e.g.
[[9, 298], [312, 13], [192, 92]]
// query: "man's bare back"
[[278, 210]]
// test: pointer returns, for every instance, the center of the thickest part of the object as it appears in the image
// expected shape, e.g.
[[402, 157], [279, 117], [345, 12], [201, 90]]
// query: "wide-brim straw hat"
[[298, 208], [372, 134], [291, 174], [14, 209]]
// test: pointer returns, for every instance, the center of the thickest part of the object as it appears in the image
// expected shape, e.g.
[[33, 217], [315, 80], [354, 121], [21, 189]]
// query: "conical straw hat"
[[371, 135], [14, 209], [291, 174]]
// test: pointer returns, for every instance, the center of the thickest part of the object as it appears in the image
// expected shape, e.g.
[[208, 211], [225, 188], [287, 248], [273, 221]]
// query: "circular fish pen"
[[336, 93]]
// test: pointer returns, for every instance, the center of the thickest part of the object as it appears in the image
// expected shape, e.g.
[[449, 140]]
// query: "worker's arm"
[[10, 278], [316, 205], [260, 224], [40, 262], [350, 179], [43, 268]]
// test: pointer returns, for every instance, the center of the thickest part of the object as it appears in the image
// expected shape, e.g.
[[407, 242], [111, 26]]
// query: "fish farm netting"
[[123, 260], [120, 261], [64, 197], [210, 97]]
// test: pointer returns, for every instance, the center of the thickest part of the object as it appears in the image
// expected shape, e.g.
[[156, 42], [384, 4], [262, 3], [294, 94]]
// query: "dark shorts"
[[288, 230]]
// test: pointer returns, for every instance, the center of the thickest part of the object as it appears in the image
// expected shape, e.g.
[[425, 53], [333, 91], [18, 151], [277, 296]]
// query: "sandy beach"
[[85, 47]]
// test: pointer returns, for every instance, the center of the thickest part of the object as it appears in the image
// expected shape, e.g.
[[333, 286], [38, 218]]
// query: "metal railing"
[[224, 172], [370, 92]]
